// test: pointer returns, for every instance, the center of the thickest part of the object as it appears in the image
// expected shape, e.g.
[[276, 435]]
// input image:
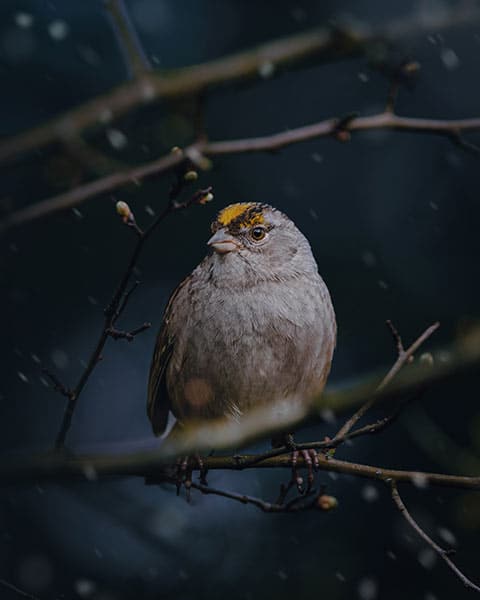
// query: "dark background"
[[393, 221]]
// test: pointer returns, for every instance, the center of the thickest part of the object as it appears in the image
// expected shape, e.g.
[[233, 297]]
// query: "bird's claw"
[[185, 466], [310, 457]]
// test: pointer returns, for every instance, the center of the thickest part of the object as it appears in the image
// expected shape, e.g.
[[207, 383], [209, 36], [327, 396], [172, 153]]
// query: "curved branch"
[[293, 50], [403, 357], [270, 143], [444, 554]]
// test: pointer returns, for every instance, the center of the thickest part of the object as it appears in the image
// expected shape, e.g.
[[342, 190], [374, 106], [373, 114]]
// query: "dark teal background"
[[393, 220]]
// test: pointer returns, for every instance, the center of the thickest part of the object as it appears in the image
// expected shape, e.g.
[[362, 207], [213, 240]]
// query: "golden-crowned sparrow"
[[253, 323]]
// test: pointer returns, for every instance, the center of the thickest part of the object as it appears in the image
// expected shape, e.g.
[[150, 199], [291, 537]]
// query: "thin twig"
[[58, 386], [297, 504], [119, 334], [14, 588], [458, 139], [126, 297], [327, 443], [269, 143], [444, 554], [372, 428], [402, 359], [112, 311], [405, 355]]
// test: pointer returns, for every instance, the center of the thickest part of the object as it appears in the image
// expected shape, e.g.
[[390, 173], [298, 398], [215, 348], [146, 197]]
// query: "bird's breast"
[[251, 346]]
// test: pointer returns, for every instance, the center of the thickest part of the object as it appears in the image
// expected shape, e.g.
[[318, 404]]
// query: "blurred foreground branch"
[[147, 86], [259, 424], [160, 466]]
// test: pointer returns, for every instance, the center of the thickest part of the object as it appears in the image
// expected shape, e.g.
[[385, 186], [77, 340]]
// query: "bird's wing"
[[158, 400]]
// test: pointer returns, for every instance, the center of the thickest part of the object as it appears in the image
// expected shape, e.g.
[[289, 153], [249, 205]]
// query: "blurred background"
[[393, 221]]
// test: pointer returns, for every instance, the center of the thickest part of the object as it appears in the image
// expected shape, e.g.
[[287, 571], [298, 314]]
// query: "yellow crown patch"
[[243, 214]]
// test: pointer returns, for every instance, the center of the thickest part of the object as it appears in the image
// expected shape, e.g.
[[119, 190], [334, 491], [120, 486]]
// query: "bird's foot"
[[185, 467], [310, 457]]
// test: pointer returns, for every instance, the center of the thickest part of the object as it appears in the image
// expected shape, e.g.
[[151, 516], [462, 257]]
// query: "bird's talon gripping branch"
[[181, 469], [310, 457], [203, 470], [185, 467], [312, 463], [296, 480]]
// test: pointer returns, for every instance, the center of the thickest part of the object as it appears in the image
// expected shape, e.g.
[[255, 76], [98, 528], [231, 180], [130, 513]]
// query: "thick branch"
[[270, 143], [293, 50], [58, 467]]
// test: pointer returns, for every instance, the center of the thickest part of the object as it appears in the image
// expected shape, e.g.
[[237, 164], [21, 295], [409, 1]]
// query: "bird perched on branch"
[[251, 325]]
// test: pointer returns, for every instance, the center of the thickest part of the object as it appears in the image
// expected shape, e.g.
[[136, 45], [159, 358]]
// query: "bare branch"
[[403, 358], [125, 299], [293, 50], [114, 308], [260, 422], [18, 591], [118, 334], [155, 467], [269, 143], [327, 443], [405, 355], [297, 504], [444, 554], [58, 386]]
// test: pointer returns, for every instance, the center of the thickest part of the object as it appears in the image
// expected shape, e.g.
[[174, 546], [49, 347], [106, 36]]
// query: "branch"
[[18, 591], [293, 50], [299, 503], [155, 468], [263, 421], [403, 357], [444, 554], [329, 127], [116, 306]]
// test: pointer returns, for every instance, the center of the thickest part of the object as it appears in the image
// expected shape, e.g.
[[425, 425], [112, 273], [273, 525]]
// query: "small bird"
[[251, 325]]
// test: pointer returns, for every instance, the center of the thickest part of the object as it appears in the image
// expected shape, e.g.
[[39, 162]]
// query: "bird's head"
[[260, 240]]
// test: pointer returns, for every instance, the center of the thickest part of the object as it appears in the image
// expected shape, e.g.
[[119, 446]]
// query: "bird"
[[252, 324]]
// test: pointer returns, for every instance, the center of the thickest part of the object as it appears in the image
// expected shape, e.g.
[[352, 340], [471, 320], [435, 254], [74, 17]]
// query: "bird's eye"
[[258, 233]]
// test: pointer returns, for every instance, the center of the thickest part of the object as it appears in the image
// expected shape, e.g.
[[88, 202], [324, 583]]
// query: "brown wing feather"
[[158, 401]]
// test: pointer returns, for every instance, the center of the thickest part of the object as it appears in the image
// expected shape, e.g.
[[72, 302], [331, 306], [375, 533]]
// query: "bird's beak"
[[222, 242]]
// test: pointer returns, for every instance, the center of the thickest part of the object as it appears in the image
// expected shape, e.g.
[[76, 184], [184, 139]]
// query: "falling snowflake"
[[266, 69], [427, 558], [117, 138], [369, 493], [24, 20], [450, 59], [58, 30], [22, 376], [368, 588]]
